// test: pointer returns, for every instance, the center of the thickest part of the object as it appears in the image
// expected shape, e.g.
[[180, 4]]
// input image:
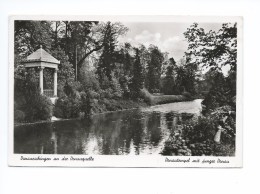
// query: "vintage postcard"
[[125, 91]]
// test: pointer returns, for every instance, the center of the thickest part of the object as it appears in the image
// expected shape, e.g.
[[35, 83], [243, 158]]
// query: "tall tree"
[[216, 50], [124, 69], [107, 58], [66, 71], [213, 49], [77, 39], [186, 76], [138, 76], [29, 35], [154, 69], [110, 34], [169, 86], [56, 34]]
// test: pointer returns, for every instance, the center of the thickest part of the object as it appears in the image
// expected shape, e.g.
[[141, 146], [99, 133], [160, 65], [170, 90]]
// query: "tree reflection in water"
[[118, 133]]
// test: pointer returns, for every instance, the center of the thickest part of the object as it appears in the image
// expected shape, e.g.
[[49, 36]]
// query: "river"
[[131, 132]]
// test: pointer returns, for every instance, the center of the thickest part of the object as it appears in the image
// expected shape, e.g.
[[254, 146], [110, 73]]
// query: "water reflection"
[[135, 132]]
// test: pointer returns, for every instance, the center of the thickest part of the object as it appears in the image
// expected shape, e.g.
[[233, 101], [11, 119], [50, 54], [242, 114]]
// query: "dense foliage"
[[197, 136], [215, 51], [29, 104], [214, 132]]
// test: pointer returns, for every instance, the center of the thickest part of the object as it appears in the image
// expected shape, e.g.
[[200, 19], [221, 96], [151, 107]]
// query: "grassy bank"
[[110, 105], [163, 99], [168, 99]]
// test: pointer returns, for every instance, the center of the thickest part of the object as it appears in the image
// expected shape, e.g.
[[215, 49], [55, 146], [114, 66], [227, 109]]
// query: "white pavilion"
[[41, 59]]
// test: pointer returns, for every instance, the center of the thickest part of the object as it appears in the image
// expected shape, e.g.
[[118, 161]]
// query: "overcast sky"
[[167, 36]]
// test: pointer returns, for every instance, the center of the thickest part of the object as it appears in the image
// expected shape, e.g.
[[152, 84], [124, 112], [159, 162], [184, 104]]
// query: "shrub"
[[147, 96], [116, 90], [89, 80], [206, 127], [187, 95], [196, 137], [38, 108], [200, 130], [68, 107], [221, 93], [71, 88], [125, 86], [19, 115], [178, 148], [87, 102], [111, 89], [30, 105]]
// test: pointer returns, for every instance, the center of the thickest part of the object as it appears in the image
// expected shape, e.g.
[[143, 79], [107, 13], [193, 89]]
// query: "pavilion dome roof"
[[41, 55]]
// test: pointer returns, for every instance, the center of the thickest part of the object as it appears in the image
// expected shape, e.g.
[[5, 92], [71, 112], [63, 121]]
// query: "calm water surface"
[[140, 131]]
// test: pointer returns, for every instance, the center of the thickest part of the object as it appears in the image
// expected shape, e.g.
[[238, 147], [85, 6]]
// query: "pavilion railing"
[[48, 93]]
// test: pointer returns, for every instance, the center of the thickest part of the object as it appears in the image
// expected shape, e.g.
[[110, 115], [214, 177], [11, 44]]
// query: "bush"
[[200, 130], [168, 99], [125, 86], [68, 107], [19, 115], [221, 93], [38, 108], [87, 102], [147, 96], [187, 95], [89, 80], [196, 137], [111, 89], [206, 127], [30, 105], [71, 88]]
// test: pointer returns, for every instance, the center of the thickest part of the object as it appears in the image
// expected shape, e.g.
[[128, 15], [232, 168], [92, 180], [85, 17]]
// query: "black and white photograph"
[[126, 88]]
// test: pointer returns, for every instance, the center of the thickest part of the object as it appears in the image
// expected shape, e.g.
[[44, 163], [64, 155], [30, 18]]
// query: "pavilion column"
[[55, 82], [41, 79]]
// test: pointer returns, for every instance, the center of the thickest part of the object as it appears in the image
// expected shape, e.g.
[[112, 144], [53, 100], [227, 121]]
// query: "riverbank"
[[163, 99], [113, 105]]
